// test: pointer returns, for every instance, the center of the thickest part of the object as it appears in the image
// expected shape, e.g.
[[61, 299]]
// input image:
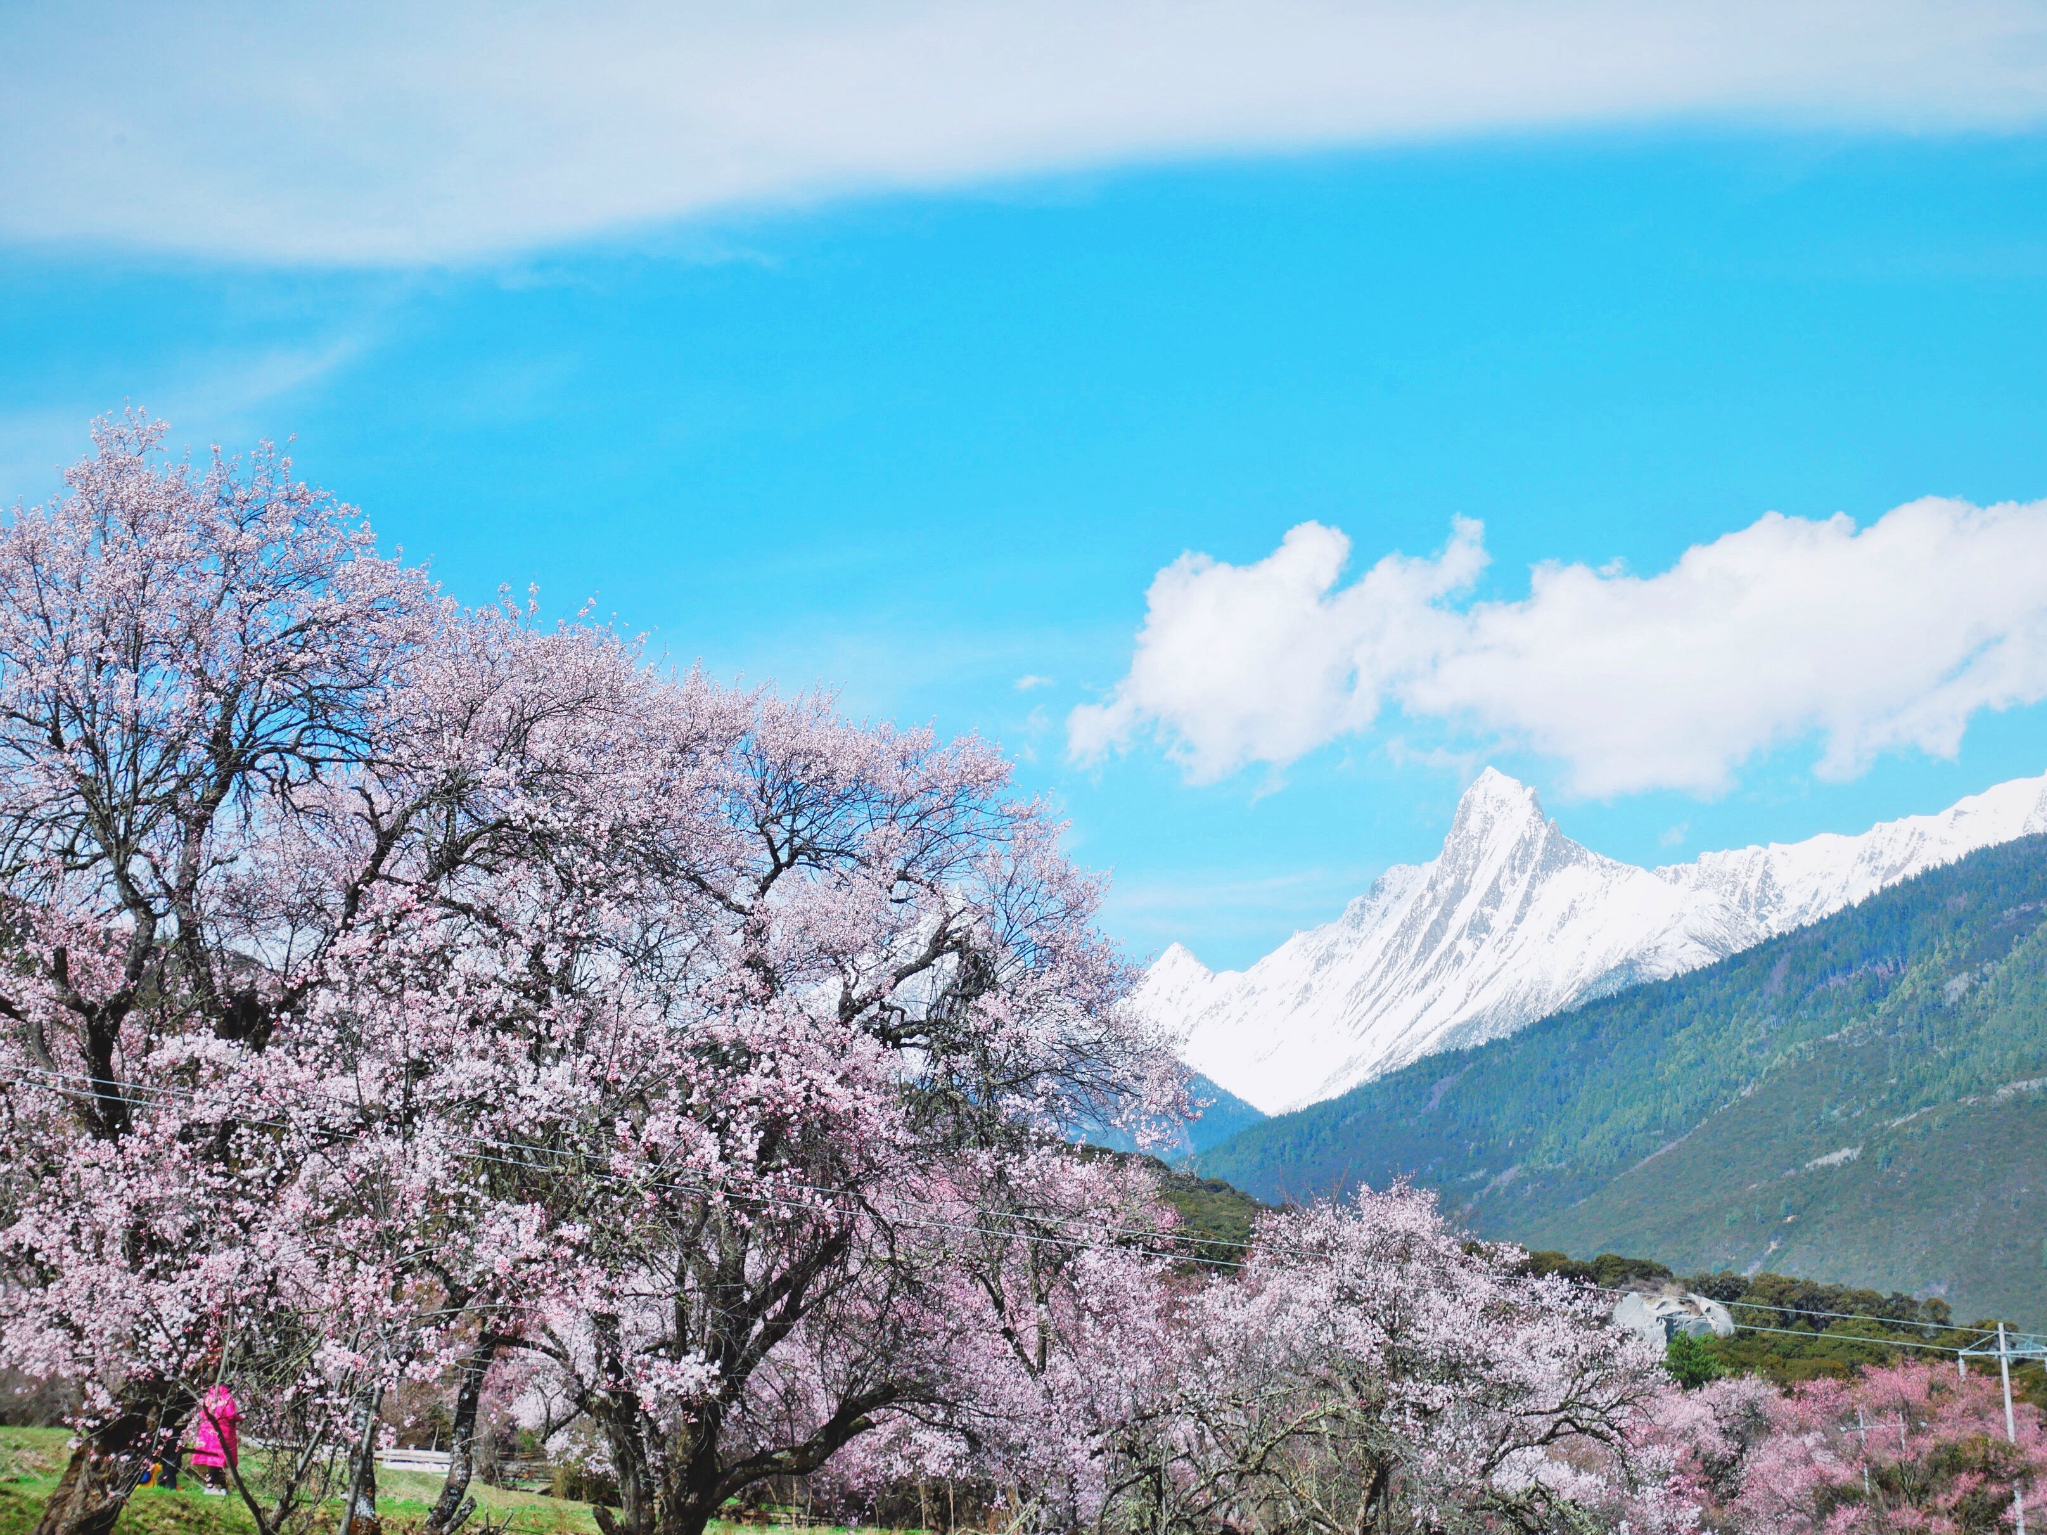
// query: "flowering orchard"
[[1913, 1447], [407, 998]]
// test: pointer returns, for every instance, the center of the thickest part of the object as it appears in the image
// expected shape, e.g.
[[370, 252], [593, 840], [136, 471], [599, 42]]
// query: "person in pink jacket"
[[216, 1438]]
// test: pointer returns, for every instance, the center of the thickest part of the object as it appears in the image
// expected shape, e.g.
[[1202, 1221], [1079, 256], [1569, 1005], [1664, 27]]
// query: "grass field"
[[31, 1459]]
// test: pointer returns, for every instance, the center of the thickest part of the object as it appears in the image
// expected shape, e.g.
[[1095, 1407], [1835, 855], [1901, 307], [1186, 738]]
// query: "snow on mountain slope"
[[1514, 921]]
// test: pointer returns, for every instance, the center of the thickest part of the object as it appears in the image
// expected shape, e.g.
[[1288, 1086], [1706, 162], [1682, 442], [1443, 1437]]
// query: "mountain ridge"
[[1862, 1099], [1514, 921]]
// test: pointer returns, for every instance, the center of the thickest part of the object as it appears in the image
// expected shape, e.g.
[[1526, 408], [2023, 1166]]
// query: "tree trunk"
[[106, 1468], [697, 1494], [638, 1510], [90, 1496], [692, 1495], [688, 1515], [453, 1507], [617, 1415], [362, 1515]]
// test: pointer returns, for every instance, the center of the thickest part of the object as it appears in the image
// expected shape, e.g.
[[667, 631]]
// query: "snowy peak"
[[1497, 807], [1514, 921], [1501, 850], [1174, 976], [1178, 959], [1499, 830]]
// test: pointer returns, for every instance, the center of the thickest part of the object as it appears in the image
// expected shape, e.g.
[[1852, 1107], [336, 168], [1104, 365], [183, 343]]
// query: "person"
[[216, 1439], [163, 1471]]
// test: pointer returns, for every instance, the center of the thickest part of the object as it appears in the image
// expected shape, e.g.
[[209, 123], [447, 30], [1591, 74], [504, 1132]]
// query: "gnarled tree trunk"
[[454, 1506], [108, 1465]]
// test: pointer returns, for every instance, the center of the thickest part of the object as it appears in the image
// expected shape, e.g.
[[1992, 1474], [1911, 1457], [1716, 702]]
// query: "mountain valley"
[[1864, 1098]]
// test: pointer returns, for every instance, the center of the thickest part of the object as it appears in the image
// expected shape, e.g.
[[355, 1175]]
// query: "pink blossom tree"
[[183, 655], [397, 985], [231, 738], [1371, 1370], [1909, 1447], [821, 975], [1070, 1292]]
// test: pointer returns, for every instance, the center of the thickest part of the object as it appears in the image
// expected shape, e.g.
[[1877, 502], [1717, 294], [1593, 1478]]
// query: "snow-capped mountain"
[[1514, 921]]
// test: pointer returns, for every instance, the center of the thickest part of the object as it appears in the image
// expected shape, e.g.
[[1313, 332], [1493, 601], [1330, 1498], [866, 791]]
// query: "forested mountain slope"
[[1864, 1098]]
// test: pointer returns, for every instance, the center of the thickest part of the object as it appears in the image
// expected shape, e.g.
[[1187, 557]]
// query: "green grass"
[[32, 1459]]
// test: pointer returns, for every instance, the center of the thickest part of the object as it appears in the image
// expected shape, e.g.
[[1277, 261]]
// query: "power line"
[[1855, 1316], [59, 1082], [1840, 1337], [772, 1198]]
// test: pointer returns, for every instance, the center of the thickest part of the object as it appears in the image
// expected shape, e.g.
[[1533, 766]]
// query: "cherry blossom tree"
[[1072, 1286], [230, 736], [183, 654], [1371, 1370], [819, 973], [398, 985], [1906, 1447], [1365, 1368]]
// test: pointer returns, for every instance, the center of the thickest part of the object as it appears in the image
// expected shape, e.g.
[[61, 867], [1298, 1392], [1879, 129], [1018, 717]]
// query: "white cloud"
[[1880, 640], [388, 132], [1026, 683]]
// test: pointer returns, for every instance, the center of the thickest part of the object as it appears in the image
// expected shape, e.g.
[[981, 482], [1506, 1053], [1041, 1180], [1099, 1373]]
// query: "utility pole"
[[2024, 1346], [2011, 1429], [1862, 1433]]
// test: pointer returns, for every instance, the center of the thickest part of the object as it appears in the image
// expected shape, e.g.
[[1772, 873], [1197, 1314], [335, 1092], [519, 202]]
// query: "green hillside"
[[1215, 1219], [1864, 1099]]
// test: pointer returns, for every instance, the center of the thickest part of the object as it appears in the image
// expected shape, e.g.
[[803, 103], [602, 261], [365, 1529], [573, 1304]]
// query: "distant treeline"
[[1813, 1329]]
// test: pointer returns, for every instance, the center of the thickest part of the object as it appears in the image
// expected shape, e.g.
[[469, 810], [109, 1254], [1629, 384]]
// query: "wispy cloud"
[[1025, 684], [223, 398], [398, 133], [1240, 915], [1883, 639]]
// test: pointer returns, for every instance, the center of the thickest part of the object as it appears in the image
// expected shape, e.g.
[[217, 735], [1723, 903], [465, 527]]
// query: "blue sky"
[[923, 440]]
